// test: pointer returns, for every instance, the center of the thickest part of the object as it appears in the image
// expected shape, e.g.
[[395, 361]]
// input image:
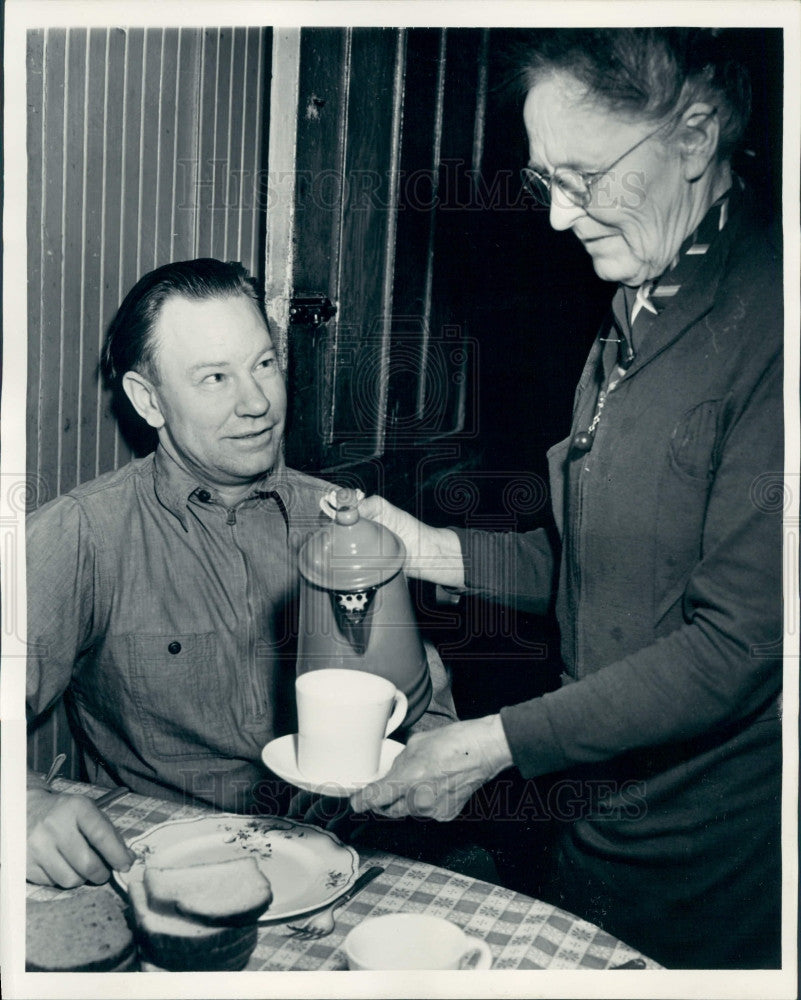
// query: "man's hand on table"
[[438, 771], [70, 841]]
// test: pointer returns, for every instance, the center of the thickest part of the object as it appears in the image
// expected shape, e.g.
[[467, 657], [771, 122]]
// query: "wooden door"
[[389, 137]]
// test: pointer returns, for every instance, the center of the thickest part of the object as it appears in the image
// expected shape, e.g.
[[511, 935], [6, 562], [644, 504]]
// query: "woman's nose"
[[563, 212]]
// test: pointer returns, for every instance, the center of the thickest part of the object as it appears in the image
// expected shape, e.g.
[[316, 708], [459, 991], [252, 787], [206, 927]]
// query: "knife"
[[363, 880]]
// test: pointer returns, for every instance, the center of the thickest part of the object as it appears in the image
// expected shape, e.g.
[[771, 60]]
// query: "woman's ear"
[[144, 398], [698, 134]]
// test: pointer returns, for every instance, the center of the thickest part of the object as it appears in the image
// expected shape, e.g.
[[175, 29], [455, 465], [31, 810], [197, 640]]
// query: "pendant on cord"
[[583, 440]]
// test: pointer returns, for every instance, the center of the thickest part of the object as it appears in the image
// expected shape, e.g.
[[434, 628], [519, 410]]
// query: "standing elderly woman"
[[668, 578]]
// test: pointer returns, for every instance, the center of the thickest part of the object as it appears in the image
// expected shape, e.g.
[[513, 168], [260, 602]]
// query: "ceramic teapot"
[[355, 607]]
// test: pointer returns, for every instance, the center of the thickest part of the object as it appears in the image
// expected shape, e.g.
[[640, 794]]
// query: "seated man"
[[161, 595]]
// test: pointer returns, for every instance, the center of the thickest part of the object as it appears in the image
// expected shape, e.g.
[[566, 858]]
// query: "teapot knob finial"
[[347, 506]]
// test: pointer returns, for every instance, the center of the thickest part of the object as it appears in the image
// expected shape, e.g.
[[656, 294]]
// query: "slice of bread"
[[83, 931], [228, 892], [177, 943]]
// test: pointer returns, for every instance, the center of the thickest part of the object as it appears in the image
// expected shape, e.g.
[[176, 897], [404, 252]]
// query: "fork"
[[321, 924]]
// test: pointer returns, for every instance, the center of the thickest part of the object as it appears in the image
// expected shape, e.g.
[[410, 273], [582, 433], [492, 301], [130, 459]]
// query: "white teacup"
[[343, 718], [413, 941]]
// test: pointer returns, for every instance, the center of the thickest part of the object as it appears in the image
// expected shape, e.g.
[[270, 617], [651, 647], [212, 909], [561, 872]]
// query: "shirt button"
[[203, 496], [174, 647]]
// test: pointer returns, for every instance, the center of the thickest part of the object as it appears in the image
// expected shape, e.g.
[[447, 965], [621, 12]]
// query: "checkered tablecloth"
[[522, 933]]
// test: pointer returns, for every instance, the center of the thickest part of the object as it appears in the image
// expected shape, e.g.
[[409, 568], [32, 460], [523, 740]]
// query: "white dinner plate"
[[281, 756], [307, 866]]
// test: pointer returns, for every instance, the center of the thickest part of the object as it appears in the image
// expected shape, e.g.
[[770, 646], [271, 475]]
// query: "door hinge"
[[310, 310]]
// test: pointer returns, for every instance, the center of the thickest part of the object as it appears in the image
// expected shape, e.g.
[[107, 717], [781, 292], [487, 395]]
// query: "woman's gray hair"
[[642, 73]]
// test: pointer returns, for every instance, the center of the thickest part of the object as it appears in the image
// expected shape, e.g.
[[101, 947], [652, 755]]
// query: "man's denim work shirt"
[[169, 619]]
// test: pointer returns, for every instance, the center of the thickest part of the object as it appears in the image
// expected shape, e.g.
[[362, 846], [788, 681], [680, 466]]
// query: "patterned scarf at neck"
[[654, 295]]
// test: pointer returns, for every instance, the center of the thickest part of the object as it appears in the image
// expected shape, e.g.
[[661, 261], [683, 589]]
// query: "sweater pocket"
[[692, 442], [682, 500], [175, 685]]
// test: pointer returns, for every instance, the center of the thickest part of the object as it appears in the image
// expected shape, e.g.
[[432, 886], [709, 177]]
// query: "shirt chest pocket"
[[176, 686]]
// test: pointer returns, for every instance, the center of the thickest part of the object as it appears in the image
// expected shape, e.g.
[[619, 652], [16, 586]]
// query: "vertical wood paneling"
[[187, 125], [131, 221], [207, 134], [165, 164], [92, 244], [49, 387], [71, 341], [35, 145], [113, 195], [119, 123], [150, 153], [235, 190], [255, 147]]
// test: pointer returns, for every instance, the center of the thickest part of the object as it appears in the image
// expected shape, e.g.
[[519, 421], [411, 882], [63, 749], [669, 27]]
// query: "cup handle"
[[478, 956], [398, 712]]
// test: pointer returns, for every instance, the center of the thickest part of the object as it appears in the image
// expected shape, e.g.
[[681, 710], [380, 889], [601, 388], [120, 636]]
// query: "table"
[[522, 933]]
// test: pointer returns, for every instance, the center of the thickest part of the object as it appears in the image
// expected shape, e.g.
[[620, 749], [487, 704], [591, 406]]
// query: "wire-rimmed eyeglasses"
[[577, 185]]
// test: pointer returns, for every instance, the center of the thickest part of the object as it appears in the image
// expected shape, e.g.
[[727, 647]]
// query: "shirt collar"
[[175, 487]]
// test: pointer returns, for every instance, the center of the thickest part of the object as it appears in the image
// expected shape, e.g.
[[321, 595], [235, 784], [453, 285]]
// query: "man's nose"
[[563, 212], [252, 401]]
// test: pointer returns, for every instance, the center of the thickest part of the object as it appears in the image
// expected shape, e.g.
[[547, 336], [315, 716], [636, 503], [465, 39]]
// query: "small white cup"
[[413, 941], [343, 718]]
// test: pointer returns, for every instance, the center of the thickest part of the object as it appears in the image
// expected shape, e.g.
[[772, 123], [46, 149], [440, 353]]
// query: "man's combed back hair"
[[130, 345], [642, 73]]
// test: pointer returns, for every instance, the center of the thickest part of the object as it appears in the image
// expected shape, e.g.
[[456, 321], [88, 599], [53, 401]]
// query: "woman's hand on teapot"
[[432, 554], [438, 771]]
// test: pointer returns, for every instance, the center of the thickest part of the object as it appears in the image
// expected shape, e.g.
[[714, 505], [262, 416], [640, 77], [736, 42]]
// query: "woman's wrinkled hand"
[[433, 554], [438, 771]]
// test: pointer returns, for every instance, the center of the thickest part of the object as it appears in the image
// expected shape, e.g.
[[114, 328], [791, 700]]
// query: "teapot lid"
[[351, 553]]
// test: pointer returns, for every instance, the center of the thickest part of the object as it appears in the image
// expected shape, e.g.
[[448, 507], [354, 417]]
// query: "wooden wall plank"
[[238, 185], [35, 145], [150, 153], [113, 193], [205, 193], [254, 228], [91, 239], [47, 431], [71, 334], [165, 163], [183, 236], [131, 220], [219, 125]]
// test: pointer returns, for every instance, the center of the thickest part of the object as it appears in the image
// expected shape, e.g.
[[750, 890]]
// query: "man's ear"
[[698, 135], [144, 398]]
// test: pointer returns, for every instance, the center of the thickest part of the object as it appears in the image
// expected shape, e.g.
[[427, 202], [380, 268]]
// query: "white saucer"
[[281, 756]]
